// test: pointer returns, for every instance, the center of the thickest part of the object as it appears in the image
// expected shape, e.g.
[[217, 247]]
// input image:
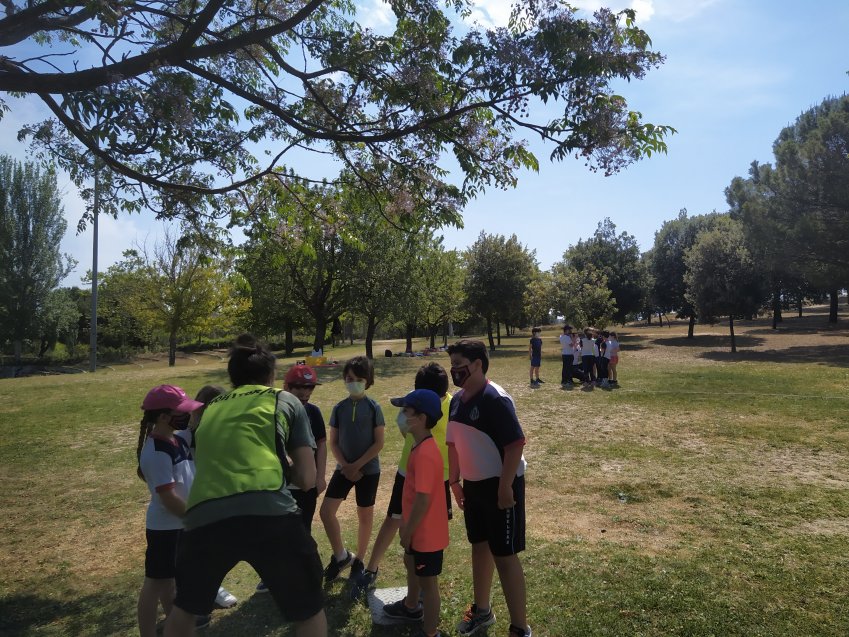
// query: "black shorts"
[[427, 564], [502, 529], [277, 546], [365, 488], [160, 557], [394, 509]]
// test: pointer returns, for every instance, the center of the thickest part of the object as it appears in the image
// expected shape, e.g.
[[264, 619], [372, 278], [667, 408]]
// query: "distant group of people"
[[235, 476], [591, 357]]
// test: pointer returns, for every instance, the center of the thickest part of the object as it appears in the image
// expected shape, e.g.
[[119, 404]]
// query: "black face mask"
[[460, 375], [180, 422]]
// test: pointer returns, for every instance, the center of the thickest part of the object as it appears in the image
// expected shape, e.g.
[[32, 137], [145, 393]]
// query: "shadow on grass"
[[709, 341], [827, 355], [101, 614]]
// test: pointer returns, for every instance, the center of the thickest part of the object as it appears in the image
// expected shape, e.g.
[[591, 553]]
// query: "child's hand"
[[320, 484], [351, 473], [405, 537], [505, 497], [459, 496]]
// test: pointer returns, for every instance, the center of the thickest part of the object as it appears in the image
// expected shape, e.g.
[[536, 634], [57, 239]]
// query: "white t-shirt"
[[612, 349], [567, 348], [166, 465], [588, 347]]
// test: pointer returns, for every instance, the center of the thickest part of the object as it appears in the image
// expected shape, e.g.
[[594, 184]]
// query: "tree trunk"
[[172, 349], [832, 312], [16, 344], [776, 307], [289, 336], [691, 326], [411, 328], [370, 330], [733, 341], [445, 327], [320, 332], [432, 330], [800, 308], [489, 334], [648, 320], [498, 332]]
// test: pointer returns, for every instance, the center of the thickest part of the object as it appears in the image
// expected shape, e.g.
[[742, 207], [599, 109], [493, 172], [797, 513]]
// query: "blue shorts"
[[536, 362]]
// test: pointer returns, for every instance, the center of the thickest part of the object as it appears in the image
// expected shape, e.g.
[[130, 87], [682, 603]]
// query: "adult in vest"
[[252, 442]]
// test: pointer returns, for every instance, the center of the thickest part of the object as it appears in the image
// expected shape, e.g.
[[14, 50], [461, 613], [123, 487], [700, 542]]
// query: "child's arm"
[[172, 502], [335, 449], [321, 465], [303, 468], [420, 505], [512, 458], [454, 477]]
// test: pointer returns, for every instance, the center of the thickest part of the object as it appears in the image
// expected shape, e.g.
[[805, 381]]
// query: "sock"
[[339, 557]]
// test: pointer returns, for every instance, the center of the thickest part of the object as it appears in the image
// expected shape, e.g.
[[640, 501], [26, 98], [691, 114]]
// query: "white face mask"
[[403, 425], [356, 388]]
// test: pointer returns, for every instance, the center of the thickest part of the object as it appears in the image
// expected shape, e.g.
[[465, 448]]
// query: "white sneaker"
[[225, 599]]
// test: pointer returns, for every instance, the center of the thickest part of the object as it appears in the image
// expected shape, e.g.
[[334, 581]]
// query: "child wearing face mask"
[[164, 463], [355, 440]]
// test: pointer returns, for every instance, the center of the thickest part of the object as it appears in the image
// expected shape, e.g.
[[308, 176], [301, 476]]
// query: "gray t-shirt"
[[355, 422], [278, 502]]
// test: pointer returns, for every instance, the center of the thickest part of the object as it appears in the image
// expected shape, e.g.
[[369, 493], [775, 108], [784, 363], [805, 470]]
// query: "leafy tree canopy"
[[190, 101]]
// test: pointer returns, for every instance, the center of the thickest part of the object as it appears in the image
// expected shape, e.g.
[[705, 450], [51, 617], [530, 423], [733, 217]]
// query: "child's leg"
[[179, 624], [327, 513], [413, 586], [613, 370], [431, 602], [152, 592], [384, 538], [365, 516], [512, 578], [315, 626], [483, 568]]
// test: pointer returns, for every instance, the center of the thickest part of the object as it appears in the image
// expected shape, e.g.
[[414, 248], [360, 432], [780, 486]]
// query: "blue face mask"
[[403, 425]]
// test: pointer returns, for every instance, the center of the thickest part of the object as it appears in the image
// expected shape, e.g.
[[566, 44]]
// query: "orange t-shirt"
[[424, 475]]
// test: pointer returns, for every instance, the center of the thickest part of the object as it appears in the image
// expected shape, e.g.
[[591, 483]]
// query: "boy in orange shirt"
[[424, 530]]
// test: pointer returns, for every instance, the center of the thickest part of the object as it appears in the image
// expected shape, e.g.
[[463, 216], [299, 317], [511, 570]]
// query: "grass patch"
[[704, 497]]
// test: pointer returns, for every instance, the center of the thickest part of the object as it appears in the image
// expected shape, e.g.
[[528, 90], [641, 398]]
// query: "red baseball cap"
[[169, 397], [301, 375]]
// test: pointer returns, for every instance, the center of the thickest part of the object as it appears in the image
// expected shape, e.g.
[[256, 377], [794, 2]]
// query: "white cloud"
[[491, 13], [375, 15]]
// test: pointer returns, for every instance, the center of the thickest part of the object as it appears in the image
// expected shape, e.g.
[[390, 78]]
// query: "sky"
[[736, 73]]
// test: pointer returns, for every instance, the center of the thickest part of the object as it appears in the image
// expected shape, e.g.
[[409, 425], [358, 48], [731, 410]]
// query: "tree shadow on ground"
[[827, 355], [709, 341], [104, 613]]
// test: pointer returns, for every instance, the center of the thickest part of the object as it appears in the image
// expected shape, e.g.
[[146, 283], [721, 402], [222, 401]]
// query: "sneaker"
[[473, 621], [261, 588], [605, 383], [540, 380], [361, 584], [225, 599], [515, 631], [335, 567], [357, 568], [399, 610], [202, 621]]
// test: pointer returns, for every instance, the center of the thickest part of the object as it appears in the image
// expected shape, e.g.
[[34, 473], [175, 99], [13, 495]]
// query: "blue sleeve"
[[502, 417]]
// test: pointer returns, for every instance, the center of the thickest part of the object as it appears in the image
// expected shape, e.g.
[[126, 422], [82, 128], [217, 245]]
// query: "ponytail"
[[145, 426], [144, 431]]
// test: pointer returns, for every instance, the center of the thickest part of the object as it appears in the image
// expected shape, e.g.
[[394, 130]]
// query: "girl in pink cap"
[[164, 463]]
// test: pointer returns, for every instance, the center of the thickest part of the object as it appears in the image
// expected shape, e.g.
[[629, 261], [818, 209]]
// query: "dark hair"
[[535, 330], [361, 367], [251, 362], [605, 333], [208, 392], [471, 349], [433, 377], [148, 420]]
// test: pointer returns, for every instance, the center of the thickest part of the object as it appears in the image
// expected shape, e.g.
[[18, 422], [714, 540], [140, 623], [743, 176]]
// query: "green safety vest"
[[236, 450]]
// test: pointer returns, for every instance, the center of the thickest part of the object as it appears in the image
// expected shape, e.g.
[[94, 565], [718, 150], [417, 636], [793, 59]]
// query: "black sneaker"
[[357, 568], [360, 584], [335, 567], [473, 620], [515, 631], [399, 610], [202, 621], [540, 380]]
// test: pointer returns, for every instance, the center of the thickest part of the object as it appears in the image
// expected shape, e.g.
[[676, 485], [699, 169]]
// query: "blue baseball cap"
[[424, 401]]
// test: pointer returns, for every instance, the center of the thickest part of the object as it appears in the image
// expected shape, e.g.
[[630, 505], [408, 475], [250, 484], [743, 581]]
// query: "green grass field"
[[707, 496]]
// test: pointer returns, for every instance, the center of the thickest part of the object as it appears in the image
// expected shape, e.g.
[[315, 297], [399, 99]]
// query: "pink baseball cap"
[[169, 397]]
